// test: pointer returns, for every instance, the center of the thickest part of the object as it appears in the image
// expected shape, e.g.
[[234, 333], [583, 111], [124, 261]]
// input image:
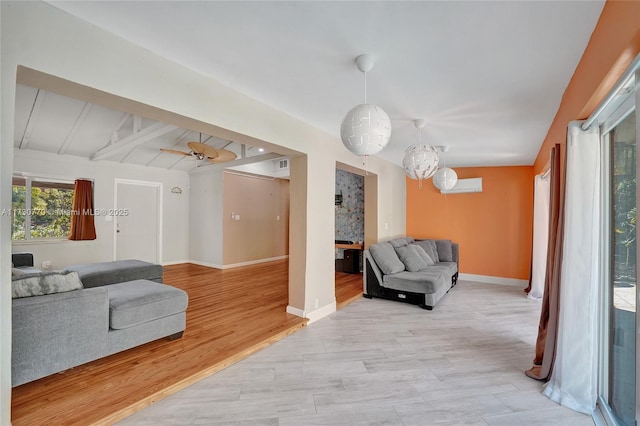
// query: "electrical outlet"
[[46, 264]]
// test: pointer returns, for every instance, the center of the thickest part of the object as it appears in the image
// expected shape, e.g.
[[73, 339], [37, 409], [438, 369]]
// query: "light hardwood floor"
[[231, 314], [384, 362]]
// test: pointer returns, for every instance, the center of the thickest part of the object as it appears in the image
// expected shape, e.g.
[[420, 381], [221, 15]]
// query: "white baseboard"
[[235, 265], [175, 262], [314, 315], [207, 264], [493, 280], [254, 262], [295, 311], [320, 313]]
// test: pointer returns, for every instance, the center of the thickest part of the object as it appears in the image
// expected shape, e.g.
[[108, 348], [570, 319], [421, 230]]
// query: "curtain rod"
[[633, 67]]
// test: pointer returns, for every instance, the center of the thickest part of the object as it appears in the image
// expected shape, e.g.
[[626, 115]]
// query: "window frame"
[[29, 179]]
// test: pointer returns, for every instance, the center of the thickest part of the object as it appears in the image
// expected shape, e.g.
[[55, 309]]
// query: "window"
[[619, 381], [40, 208]]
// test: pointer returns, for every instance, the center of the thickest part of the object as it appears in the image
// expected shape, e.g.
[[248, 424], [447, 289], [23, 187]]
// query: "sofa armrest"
[[58, 331], [455, 253], [22, 259], [368, 260]]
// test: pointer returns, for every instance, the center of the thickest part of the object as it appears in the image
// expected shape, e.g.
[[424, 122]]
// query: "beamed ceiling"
[[56, 124]]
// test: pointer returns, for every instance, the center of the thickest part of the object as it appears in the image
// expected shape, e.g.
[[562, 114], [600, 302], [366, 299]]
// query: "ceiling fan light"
[[365, 130], [445, 179]]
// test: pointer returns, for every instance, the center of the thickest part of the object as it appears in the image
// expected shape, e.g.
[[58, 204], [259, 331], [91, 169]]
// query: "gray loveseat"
[[399, 270], [117, 306]]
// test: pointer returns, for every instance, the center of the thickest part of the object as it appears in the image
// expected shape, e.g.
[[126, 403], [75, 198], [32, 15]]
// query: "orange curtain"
[[548, 326], [82, 224]]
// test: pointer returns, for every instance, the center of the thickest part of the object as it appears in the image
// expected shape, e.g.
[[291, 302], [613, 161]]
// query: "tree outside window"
[[40, 208]]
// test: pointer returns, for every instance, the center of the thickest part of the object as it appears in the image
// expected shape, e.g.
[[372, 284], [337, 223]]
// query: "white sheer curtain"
[[540, 235], [574, 379]]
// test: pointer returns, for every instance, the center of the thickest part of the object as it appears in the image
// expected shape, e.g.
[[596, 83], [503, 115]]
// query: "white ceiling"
[[487, 76]]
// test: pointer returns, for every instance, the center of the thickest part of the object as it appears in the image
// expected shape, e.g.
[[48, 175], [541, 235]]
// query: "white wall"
[[40, 37], [175, 229], [205, 217]]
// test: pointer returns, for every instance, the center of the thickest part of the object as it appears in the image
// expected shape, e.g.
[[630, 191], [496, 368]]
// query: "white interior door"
[[137, 221]]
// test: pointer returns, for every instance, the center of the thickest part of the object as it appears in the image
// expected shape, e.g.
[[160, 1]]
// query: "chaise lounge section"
[[62, 325]]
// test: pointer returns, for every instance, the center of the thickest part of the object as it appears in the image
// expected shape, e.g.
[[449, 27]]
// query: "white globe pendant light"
[[420, 161], [366, 129], [445, 179]]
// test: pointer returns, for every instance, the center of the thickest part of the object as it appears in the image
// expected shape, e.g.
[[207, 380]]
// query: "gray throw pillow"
[[445, 252], [398, 242], [429, 246], [409, 240], [39, 284], [386, 258], [423, 254], [411, 259]]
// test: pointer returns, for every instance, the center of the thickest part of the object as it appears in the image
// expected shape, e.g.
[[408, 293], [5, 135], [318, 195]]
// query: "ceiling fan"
[[202, 151]]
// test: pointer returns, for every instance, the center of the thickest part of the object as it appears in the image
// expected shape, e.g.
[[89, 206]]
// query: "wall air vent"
[[283, 164], [464, 186]]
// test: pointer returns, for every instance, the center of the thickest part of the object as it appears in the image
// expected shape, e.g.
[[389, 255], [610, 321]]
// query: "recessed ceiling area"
[[62, 125], [486, 76]]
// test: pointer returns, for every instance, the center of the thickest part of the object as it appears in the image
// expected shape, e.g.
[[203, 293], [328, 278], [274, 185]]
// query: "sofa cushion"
[[41, 283], [140, 301], [411, 259], [105, 273], [414, 257], [428, 281], [398, 242], [386, 258], [430, 248], [445, 251], [423, 254]]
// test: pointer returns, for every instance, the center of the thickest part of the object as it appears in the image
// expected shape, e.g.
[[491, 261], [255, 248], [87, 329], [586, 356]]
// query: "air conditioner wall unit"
[[465, 186]]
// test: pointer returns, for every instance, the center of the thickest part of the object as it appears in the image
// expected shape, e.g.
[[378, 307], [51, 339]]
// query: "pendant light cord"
[[365, 87]]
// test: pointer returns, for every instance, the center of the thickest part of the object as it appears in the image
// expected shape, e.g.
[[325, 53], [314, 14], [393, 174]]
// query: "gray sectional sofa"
[[88, 312], [419, 272]]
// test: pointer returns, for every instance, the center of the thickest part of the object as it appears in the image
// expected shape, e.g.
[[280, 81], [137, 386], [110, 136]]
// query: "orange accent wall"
[[614, 43], [493, 227]]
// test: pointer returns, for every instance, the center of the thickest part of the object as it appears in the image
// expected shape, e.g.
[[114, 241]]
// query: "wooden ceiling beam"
[[134, 140], [33, 117], [83, 114]]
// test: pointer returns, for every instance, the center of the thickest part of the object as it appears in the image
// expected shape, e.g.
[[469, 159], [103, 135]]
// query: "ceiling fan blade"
[[200, 148], [173, 151], [224, 155]]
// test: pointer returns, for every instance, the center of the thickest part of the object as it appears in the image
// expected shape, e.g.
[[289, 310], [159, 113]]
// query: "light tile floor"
[[379, 362]]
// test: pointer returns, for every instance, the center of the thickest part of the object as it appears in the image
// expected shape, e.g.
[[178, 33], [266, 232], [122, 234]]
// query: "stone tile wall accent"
[[349, 216]]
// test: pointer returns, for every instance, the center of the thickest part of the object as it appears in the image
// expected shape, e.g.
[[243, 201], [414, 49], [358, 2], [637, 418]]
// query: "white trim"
[[175, 262], [314, 315], [253, 262], [207, 264], [487, 279], [160, 188], [295, 311], [233, 265], [320, 313]]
